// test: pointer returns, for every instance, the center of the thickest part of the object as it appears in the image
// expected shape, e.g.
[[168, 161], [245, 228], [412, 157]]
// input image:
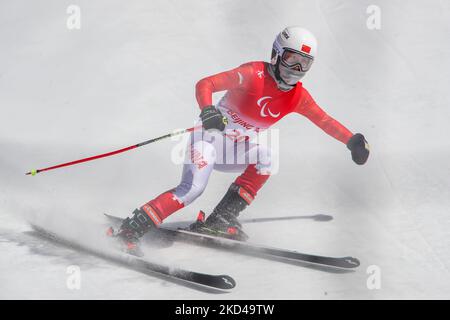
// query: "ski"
[[221, 282], [248, 248], [265, 251]]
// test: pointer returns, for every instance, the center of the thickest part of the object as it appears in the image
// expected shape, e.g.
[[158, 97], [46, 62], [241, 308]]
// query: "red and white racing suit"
[[252, 103]]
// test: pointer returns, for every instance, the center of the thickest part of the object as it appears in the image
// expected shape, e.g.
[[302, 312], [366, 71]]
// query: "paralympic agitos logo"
[[262, 103]]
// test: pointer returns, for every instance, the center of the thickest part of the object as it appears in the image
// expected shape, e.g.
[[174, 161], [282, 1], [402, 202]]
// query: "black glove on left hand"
[[359, 148]]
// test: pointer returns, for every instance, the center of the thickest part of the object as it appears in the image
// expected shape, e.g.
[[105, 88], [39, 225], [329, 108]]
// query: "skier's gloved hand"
[[359, 148], [213, 118]]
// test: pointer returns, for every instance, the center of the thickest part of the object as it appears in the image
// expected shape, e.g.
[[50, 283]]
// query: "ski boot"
[[223, 220], [131, 230]]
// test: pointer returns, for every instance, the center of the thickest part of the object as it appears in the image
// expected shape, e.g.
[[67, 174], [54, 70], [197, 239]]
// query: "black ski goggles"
[[292, 58]]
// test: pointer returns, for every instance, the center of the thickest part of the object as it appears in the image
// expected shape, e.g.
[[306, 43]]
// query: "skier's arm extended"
[[355, 142], [309, 108]]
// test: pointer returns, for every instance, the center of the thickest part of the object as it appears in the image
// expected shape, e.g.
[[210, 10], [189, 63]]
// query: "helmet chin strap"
[[274, 71]]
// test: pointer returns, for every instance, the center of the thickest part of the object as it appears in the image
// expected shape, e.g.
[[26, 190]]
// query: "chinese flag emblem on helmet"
[[305, 49]]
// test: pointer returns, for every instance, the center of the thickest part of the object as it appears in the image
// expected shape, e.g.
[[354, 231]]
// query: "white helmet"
[[293, 53]]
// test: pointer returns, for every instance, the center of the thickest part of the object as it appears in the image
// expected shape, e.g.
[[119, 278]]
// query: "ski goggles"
[[291, 59]]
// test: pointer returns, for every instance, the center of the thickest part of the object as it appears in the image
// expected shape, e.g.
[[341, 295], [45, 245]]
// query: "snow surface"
[[128, 75]]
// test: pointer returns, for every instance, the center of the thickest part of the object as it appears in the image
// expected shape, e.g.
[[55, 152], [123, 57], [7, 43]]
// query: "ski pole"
[[103, 155]]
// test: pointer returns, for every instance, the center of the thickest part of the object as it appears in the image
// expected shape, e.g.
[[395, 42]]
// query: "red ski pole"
[[103, 155]]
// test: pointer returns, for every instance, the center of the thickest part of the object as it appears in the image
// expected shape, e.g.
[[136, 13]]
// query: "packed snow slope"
[[129, 75]]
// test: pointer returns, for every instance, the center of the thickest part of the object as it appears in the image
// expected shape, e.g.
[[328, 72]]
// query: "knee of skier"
[[188, 192]]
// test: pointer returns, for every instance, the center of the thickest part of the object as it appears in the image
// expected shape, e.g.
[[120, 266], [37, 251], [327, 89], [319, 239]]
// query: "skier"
[[258, 95]]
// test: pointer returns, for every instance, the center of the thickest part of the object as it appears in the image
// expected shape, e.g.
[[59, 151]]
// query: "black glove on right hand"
[[213, 118], [359, 148]]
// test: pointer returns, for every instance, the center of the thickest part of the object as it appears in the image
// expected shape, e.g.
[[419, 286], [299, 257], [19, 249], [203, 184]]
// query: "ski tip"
[[227, 282], [352, 262]]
